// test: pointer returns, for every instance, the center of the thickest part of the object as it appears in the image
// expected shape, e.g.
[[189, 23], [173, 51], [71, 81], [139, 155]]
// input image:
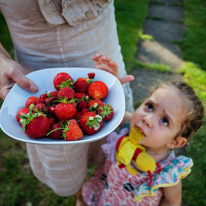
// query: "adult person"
[[51, 34]]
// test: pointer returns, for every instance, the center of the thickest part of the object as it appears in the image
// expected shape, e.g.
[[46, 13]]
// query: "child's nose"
[[147, 121]]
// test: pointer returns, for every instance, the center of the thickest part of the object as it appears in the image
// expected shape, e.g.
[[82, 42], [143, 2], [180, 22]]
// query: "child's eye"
[[149, 107], [165, 121]]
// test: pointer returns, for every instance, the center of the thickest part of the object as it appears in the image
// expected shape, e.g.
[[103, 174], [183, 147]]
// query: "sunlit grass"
[[154, 66], [130, 17], [196, 148], [194, 43], [196, 77]]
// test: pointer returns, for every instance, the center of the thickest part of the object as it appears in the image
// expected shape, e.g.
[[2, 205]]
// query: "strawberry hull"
[[107, 112], [22, 112], [91, 123]]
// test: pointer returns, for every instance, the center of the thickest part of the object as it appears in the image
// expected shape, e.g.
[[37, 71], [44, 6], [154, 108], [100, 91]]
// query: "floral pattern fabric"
[[112, 185]]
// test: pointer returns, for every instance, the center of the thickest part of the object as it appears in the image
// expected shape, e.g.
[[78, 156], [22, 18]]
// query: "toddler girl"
[[167, 118]]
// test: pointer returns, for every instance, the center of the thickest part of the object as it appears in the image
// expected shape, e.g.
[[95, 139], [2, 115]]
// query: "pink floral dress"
[[114, 186]]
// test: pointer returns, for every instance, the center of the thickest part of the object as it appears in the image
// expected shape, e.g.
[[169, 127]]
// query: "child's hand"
[[105, 63]]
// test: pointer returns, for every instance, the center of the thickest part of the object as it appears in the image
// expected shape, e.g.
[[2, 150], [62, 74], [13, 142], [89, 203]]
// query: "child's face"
[[160, 117]]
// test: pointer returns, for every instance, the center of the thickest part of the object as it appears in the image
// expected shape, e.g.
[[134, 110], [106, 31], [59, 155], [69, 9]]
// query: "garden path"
[[164, 23]]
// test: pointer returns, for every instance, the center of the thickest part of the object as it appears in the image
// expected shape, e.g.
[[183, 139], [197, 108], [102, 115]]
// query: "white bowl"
[[44, 79]]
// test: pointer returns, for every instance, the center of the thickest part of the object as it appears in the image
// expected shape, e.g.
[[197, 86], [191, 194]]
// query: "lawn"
[[18, 185]]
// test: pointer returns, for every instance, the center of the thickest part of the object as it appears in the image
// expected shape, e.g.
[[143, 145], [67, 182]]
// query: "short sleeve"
[[170, 175]]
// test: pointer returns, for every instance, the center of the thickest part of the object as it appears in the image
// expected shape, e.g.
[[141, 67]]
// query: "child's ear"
[[177, 142]]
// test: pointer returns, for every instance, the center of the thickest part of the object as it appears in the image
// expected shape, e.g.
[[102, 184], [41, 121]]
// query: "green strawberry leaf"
[[28, 117], [89, 81], [66, 83], [93, 122], [106, 110]]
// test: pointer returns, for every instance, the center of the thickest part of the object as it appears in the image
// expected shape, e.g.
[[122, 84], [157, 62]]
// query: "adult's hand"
[[12, 72]]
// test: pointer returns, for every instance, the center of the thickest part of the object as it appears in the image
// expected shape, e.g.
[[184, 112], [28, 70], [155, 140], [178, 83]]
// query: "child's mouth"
[[136, 134], [140, 130]]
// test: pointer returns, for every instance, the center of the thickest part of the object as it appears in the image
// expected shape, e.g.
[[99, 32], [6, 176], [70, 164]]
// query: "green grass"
[[153, 66], [194, 186], [130, 17], [195, 36], [194, 52], [196, 77], [5, 37]]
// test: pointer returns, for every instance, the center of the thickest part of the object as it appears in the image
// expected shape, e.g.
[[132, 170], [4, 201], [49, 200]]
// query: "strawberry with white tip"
[[91, 123], [35, 125]]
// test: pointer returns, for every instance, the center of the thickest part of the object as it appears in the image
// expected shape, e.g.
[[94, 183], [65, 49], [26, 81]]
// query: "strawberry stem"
[[53, 131], [28, 117]]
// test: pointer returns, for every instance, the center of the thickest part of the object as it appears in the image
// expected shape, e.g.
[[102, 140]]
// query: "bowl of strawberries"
[[73, 105]]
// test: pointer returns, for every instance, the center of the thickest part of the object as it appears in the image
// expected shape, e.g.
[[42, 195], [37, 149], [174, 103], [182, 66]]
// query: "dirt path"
[[164, 23]]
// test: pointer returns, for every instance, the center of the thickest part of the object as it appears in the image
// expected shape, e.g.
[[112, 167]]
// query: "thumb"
[[24, 82], [125, 79]]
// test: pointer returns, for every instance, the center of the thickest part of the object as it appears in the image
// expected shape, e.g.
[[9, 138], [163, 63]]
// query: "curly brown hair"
[[194, 119]]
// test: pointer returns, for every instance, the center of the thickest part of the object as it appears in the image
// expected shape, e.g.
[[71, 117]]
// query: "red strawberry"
[[82, 105], [77, 115], [43, 97], [91, 123], [51, 120], [94, 105], [40, 107], [72, 131], [53, 94], [66, 92], [82, 84], [80, 95], [98, 90], [49, 101], [21, 112], [107, 112], [51, 110], [38, 127], [31, 100], [84, 110], [39, 101], [91, 75], [65, 111], [60, 79], [56, 131], [35, 125]]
